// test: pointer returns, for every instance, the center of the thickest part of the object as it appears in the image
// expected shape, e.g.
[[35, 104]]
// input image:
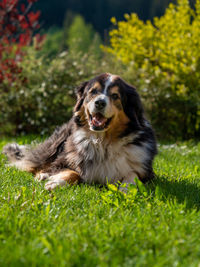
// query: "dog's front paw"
[[54, 182], [41, 176]]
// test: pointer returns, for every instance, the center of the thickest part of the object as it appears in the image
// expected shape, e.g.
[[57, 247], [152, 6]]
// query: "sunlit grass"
[[156, 225]]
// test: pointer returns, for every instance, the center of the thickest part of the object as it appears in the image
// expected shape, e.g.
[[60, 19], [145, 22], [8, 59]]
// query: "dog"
[[107, 140]]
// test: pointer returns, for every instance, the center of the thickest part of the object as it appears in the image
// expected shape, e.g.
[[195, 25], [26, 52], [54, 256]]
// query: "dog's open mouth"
[[99, 122]]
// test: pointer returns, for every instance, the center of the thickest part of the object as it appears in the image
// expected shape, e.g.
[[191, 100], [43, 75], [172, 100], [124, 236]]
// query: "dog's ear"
[[78, 112], [132, 105], [79, 91]]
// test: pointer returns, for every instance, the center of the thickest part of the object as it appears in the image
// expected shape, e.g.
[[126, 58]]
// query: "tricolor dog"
[[108, 139]]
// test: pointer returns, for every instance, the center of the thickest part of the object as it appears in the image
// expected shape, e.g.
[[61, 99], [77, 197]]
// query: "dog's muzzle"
[[99, 120]]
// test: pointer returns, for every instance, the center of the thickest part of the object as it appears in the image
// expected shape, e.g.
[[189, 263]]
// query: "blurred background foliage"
[[160, 55]]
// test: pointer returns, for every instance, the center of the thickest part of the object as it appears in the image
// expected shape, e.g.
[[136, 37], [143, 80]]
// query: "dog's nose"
[[100, 104]]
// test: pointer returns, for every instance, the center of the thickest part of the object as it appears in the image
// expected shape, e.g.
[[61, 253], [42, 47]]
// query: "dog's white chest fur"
[[107, 162]]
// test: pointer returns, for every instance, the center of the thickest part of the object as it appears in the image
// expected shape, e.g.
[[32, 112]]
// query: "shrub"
[[41, 95], [163, 60], [46, 99]]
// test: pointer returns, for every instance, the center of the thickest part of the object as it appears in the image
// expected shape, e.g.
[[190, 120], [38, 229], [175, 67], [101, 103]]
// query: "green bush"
[[44, 96], [163, 60]]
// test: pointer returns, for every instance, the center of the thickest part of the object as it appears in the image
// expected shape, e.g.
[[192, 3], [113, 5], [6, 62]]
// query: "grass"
[[156, 225]]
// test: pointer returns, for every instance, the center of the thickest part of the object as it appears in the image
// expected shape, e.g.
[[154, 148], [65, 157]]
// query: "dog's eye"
[[94, 91], [115, 96]]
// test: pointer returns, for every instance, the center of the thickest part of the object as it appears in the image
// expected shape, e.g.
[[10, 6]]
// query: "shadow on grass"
[[182, 190]]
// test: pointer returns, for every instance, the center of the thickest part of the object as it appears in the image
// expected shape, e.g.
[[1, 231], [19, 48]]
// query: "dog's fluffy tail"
[[34, 159], [16, 155]]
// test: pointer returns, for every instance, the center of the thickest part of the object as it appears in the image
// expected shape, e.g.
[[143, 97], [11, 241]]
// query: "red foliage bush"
[[17, 26]]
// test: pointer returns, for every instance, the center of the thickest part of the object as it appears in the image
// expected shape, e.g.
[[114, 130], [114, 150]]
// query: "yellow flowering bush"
[[162, 58]]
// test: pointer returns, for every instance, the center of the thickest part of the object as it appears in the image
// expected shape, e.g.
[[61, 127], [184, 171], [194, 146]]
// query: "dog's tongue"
[[98, 120]]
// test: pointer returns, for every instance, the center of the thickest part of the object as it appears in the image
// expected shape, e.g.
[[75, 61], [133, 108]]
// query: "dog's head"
[[107, 102]]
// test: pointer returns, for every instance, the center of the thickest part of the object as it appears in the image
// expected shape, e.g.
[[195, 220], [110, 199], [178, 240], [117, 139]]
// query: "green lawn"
[[156, 225]]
